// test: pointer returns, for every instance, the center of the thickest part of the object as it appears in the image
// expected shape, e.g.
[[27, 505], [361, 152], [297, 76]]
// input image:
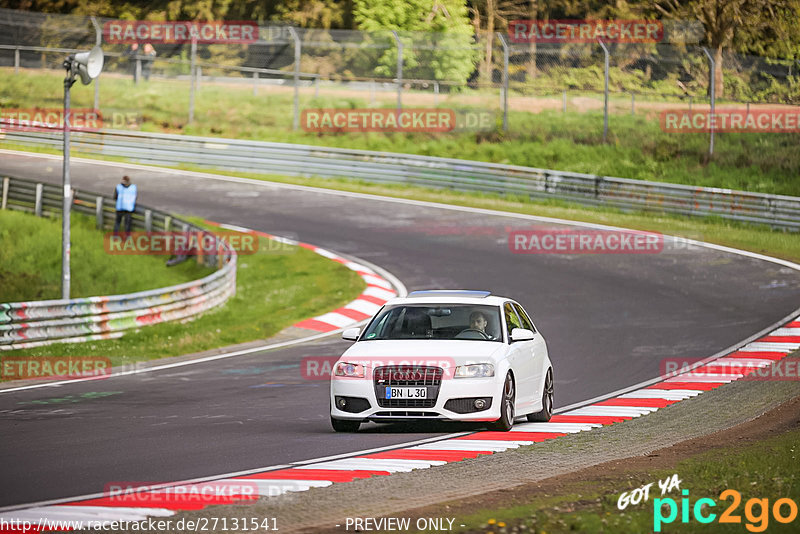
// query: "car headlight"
[[478, 370], [352, 370]]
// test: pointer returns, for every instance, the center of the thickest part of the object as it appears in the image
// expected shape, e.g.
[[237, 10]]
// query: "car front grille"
[[408, 376]]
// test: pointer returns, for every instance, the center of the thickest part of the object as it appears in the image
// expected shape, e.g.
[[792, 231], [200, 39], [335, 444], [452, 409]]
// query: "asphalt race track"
[[609, 320]]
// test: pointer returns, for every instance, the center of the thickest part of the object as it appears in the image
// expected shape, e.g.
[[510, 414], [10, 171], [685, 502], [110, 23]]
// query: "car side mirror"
[[351, 334], [521, 334]]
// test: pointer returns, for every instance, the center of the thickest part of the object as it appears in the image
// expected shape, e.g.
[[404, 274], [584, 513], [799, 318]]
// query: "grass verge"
[[276, 287], [572, 141], [765, 470], [30, 262]]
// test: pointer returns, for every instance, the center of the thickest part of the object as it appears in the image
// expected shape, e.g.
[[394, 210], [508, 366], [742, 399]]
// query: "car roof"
[[450, 296]]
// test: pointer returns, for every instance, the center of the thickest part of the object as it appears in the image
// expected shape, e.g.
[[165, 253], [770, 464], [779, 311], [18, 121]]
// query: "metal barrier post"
[[713, 74], [605, 92], [148, 221], [16, 60], [98, 213], [4, 201], [37, 206], [399, 70], [255, 83], [435, 93], [297, 51], [505, 80]]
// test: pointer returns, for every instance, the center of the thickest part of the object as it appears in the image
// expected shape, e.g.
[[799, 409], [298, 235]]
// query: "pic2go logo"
[[757, 521]]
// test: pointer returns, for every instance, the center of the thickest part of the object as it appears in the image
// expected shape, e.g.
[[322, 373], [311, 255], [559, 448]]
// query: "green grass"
[[572, 141], [766, 470], [275, 289], [30, 262]]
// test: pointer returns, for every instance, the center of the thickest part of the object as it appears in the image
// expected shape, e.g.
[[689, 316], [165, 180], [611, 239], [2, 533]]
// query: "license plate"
[[406, 393]]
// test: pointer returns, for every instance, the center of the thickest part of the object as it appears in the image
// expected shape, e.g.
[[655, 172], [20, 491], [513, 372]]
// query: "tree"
[[727, 21], [443, 52]]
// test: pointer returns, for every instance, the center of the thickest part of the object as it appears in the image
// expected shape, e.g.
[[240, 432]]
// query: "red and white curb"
[[378, 291], [761, 352]]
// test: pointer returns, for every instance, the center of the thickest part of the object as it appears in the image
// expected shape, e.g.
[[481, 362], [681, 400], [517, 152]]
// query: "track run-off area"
[[610, 321]]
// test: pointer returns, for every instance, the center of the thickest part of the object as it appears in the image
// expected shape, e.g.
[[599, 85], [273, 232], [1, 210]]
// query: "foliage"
[[444, 52]]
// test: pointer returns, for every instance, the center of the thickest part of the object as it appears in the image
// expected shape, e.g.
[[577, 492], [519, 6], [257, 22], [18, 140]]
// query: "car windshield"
[[445, 321]]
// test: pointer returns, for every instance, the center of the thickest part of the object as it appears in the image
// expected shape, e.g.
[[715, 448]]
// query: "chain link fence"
[[301, 68]]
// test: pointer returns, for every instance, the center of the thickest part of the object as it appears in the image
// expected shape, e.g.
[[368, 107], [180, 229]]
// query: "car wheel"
[[506, 420], [345, 425], [547, 401]]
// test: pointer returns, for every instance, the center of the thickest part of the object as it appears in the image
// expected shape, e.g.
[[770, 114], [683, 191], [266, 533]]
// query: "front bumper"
[[448, 404]]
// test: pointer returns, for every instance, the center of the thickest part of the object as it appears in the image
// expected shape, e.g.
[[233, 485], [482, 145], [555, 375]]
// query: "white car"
[[443, 355]]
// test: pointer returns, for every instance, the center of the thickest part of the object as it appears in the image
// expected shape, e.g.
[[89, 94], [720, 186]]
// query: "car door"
[[538, 353], [522, 361]]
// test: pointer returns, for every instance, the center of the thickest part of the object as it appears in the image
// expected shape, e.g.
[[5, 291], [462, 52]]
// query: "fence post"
[[167, 223], [605, 92], [191, 78], [4, 201], [712, 74], [98, 212], [435, 93], [148, 220], [16, 60], [399, 70], [505, 80], [255, 83], [37, 207]]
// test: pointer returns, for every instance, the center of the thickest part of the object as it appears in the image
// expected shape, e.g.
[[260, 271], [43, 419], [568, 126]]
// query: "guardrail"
[[463, 175], [36, 323]]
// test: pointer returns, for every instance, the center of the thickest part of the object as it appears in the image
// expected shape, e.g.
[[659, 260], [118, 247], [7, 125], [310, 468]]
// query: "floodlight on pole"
[[88, 66]]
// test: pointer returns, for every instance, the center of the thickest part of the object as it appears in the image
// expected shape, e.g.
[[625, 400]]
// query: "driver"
[[478, 322]]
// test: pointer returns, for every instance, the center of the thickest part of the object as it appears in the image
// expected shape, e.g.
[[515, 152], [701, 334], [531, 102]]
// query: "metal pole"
[[255, 83], [297, 52], [505, 80], [192, 79], [399, 70], [605, 92], [16, 61], [65, 219], [98, 40], [435, 93], [713, 68]]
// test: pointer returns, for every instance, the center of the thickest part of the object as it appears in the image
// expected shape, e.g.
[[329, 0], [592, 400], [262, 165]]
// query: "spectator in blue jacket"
[[125, 195]]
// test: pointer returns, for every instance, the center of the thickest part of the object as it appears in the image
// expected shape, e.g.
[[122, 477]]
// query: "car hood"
[[423, 352]]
